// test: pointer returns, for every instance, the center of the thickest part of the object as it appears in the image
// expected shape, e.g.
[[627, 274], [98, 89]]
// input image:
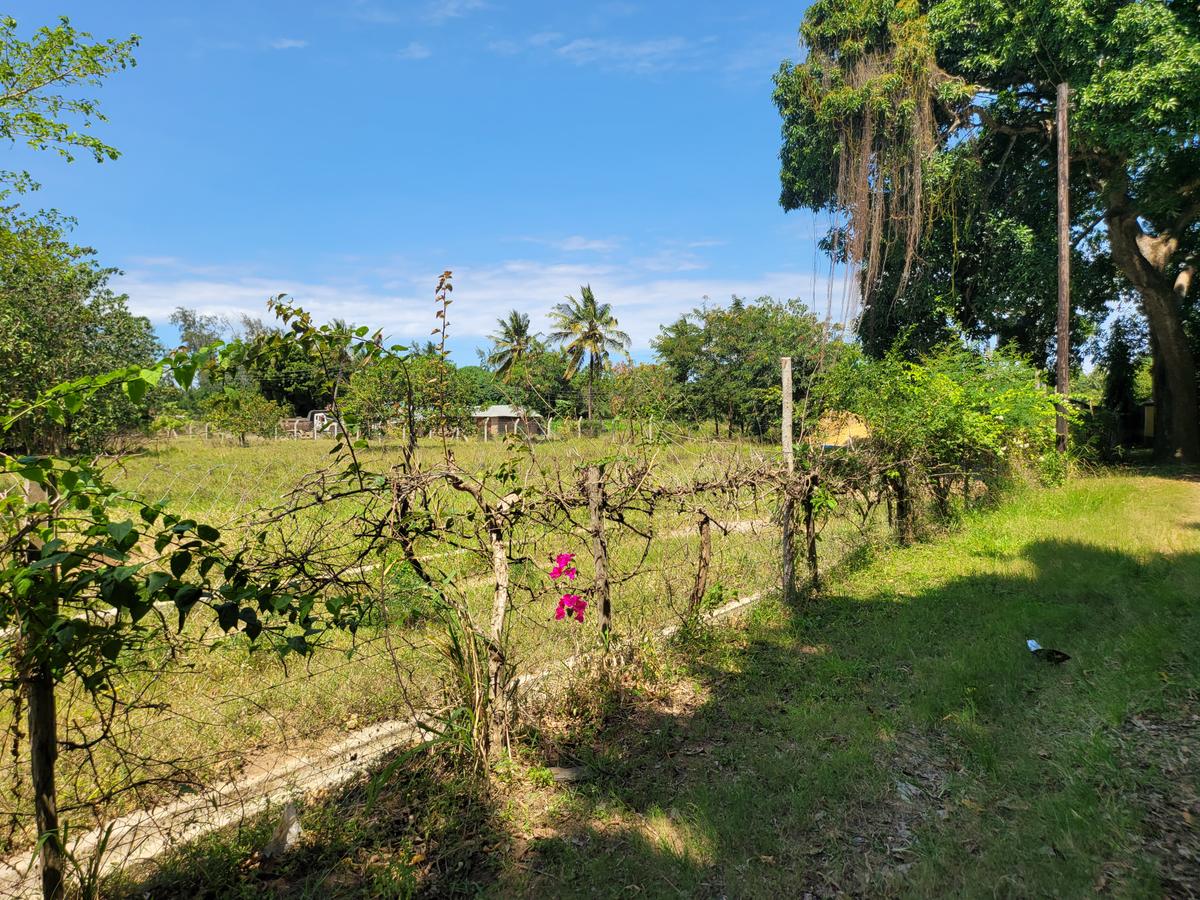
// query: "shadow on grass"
[[867, 743], [425, 833], [896, 745]]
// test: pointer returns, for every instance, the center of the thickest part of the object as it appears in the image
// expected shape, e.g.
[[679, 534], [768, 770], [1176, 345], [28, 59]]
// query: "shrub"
[[242, 412]]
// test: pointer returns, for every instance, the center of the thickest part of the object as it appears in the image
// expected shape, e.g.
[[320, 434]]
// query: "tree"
[[644, 392], [289, 376], [725, 360], [587, 330], [242, 412], [1122, 357], [198, 330], [60, 321], [380, 391], [70, 544], [891, 94], [511, 345], [41, 101]]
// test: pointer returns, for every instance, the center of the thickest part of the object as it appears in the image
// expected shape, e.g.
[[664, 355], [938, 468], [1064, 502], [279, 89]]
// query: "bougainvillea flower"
[[572, 605], [562, 566]]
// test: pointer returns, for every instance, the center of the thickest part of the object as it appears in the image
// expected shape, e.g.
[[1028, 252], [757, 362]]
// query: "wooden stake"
[[595, 495], [700, 588], [810, 532], [789, 511], [1062, 352]]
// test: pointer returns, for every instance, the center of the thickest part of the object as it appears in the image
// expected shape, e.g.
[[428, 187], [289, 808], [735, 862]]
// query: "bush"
[[951, 418], [242, 412]]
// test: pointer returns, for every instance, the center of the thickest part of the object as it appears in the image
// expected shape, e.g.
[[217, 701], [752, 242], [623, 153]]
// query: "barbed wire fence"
[[662, 533]]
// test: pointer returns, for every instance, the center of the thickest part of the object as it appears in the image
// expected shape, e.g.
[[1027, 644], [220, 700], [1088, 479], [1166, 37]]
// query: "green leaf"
[[180, 562], [135, 389], [207, 533], [120, 530], [227, 614]]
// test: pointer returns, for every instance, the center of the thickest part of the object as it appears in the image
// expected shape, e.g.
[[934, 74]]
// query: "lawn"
[[893, 738]]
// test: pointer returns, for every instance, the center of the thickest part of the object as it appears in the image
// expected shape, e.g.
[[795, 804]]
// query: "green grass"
[[897, 739], [187, 734], [893, 738]]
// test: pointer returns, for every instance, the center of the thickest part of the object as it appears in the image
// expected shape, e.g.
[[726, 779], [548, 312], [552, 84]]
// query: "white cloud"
[[577, 243], [434, 12], [442, 10], [414, 50], [510, 47], [287, 43], [637, 56], [671, 261], [400, 302]]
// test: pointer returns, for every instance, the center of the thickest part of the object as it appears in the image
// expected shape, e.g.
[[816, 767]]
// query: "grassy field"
[[893, 738], [208, 708]]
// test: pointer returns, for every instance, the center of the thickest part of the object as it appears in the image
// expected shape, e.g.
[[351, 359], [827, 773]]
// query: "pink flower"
[[570, 604], [562, 566]]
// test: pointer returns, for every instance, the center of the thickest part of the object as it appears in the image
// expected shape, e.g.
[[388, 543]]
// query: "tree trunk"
[[43, 752], [43, 730], [1146, 261]]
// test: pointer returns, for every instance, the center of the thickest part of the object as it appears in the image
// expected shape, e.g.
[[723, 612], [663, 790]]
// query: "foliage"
[[60, 321], [381, 391], [43, 82], [644, 392], [955, 412], [82, 567], [725, 360], [511, 345], [242, 412], [587, 330], [1124, 352], [949, 105], [291, 376]]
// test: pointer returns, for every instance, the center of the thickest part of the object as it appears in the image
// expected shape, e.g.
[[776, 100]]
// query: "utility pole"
[[1062, 363], [788, 513]]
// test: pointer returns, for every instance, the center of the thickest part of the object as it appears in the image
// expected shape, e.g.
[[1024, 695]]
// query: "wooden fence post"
[[789, 511], [595, 497], [700, 588], [497, 663]]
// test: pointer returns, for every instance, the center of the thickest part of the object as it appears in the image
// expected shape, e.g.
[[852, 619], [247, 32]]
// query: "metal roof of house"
[[500, 411]]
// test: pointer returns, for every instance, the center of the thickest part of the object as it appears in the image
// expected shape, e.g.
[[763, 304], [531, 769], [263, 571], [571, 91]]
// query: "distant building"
[[499, 420]]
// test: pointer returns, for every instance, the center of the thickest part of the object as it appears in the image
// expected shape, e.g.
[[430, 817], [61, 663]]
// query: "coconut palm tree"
[[511, 344], [587, 330]]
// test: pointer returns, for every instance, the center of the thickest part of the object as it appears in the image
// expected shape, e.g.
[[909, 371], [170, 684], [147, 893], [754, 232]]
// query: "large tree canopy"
[[927, 129], [60, 321]]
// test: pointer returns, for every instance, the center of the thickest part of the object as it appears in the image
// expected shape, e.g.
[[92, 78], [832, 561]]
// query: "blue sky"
[[347, 151]]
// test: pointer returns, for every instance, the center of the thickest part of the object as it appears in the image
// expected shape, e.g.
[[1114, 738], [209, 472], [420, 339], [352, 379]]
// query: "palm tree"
[[588, 329], [511, 344]]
